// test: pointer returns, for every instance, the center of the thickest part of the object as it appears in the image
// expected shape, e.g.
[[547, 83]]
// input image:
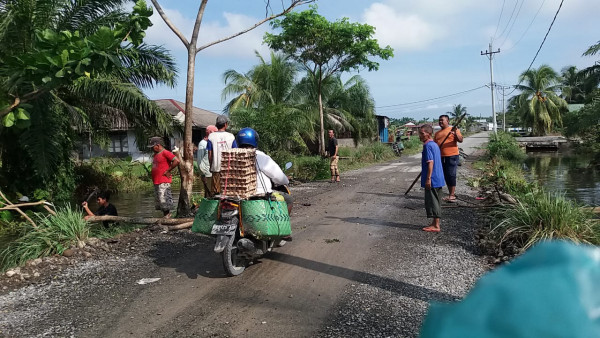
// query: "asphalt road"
[[359, 265]]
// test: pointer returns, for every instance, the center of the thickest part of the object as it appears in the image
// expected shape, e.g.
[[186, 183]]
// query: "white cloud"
[[160, 34], [241, 46], [401, 31]]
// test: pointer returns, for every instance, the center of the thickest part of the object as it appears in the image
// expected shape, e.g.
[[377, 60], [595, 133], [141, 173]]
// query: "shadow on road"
[[190, 254], [392, 285]]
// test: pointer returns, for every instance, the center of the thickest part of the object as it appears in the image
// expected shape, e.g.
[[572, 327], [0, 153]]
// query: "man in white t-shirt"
[[217, 142], [204, 163]]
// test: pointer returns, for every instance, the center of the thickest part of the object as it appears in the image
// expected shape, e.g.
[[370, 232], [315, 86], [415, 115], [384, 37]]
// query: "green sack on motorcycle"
[[263, 219], [206, 216]]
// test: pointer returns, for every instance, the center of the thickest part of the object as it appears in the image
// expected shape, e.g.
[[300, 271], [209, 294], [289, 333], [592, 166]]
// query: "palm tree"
[[538, 104], [40, 156], [571, 80], [457, 111], [352, 100], [266, 99]]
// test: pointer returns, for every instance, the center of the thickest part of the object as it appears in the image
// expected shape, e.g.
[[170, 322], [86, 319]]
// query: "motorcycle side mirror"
[[288, 165]]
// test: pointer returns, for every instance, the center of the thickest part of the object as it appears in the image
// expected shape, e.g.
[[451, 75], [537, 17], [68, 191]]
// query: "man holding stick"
[[450, 153]]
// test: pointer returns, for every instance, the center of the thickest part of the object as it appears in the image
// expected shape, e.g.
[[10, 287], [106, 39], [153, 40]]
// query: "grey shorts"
[[433, 202], [163, 199]]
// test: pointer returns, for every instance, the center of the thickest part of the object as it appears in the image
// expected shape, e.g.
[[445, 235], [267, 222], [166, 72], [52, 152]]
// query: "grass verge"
[[53, 235], [537, 215]]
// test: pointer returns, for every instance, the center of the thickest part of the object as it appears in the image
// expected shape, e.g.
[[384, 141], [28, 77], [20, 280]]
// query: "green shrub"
[[53, 235], [112, 174], [505, 146], [412, 146], [308, 168], [508, 176], [100, 231], [543, 216]]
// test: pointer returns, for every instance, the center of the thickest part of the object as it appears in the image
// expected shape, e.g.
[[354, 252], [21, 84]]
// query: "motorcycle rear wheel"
[[233, 264]]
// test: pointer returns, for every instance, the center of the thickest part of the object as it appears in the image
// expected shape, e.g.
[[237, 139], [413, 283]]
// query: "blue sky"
[[437, 45]]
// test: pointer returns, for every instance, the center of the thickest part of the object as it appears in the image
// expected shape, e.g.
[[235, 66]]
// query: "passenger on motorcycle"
[[267, 170]]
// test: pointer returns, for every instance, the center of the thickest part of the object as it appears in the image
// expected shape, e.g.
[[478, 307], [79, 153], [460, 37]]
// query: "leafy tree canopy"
[[325, 46]]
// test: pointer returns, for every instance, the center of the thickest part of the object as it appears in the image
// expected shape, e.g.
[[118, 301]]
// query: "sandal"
[[449, 199], [431, 229]]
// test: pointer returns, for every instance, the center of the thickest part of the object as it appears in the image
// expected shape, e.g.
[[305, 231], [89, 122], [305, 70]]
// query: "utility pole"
[[503, 104], [490, 55]]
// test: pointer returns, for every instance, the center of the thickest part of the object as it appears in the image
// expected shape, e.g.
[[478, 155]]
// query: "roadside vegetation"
[[53, 235], [115, 175], [527, 213]]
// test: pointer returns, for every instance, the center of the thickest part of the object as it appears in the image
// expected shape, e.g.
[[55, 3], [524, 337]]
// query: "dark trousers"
[[449, 164]]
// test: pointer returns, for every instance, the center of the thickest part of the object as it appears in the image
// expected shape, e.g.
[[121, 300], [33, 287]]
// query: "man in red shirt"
[[163, 161]]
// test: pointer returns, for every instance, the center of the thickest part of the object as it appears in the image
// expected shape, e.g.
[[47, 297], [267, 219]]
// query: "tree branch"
[[294, 3], [166, 19], [11, 107], [197, 24], [140, 220]]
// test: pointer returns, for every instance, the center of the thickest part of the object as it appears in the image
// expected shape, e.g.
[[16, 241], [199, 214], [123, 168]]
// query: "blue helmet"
[[247, 136]]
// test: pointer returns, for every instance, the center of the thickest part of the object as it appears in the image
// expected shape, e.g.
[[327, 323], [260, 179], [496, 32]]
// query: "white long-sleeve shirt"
[[267, 170]]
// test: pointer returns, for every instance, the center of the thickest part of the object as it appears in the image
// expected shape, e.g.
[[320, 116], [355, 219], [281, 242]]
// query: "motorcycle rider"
[[267, 170]]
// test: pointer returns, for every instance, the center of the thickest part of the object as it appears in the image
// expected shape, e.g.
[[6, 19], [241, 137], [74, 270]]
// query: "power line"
[[548, 32], [509, 19], [529, 26], [432, 99], [544, 40], [512, 25], [499, 18]]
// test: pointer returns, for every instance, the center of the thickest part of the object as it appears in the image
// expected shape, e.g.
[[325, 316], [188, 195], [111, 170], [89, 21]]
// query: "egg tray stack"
[[238, 172]]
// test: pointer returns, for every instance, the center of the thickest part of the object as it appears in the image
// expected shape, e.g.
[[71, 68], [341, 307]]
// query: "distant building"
[[122, 134], [383, 124]]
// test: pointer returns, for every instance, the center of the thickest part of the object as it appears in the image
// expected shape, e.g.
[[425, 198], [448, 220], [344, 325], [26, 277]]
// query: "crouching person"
[[105, 208]]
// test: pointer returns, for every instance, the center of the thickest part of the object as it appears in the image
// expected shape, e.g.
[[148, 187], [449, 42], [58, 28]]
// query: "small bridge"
[[542, 142]]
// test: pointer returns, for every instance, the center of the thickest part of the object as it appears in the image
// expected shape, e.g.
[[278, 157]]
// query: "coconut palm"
[[572, 83], [354, 102], [457, 111], [265, 99], [39, 156], [538, 104]]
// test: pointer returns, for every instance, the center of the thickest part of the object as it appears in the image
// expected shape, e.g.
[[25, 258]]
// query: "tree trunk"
[[322, 130], [186, 167], [140, 220]]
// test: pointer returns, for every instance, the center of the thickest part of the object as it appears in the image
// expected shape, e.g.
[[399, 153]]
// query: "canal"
[[565, 172]]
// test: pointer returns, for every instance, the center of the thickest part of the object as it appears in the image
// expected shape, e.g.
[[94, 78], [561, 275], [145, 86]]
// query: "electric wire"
[[512, 25], [431, 99], [543, 41], [499, 18], [509, 19], [529, 26]]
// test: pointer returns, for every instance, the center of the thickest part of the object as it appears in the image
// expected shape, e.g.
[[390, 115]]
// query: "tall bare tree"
[[187, 165]]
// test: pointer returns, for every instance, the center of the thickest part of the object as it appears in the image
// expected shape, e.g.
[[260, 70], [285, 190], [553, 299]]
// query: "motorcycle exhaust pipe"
[[245, 244]]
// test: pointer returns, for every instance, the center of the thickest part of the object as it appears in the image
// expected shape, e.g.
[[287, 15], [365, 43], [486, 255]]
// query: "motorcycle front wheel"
[[233, 264]]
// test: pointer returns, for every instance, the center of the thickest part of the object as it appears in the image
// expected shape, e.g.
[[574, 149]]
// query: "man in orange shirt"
[[450, 155]]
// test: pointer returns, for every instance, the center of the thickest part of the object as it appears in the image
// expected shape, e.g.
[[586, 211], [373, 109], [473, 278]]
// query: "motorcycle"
[[398, 146], [239, 248]]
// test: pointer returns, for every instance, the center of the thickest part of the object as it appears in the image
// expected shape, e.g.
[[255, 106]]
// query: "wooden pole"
[[141, 220], [456, 123]]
